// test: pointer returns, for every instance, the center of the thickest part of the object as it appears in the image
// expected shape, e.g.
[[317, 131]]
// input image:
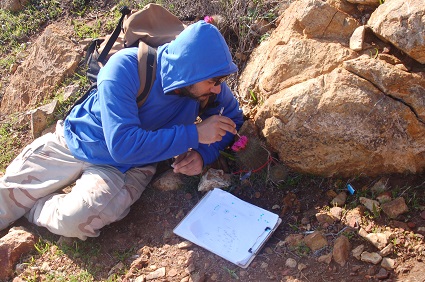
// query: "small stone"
[[264, 265], [190, 268], [379, 240], [339, 200], [384, 197], [374, 258], [370, 204], [315, 241], [185, 245], [160, 272], [423, 215], [290, 262], [257, 195], [341, 250], [382, 274], [388, 263], [324, 218], [336, 212], [394, 208], [276, 207], [357, 252], [325, 258], [301, 266], [173, 272], [387, 250]]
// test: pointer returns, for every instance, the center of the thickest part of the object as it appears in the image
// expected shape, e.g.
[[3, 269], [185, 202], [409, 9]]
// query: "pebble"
[[374, 258], [423, 215], [185, 245], [382, 274], [290, 262]]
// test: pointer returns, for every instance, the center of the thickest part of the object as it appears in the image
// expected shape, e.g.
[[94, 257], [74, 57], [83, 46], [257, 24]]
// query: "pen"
[[220, 114]]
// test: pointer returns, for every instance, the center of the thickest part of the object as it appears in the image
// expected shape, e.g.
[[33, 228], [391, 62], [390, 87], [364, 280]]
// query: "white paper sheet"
[[228, 226]]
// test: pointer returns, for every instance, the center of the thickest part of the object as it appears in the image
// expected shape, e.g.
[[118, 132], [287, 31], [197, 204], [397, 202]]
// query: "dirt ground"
[[143, 242]]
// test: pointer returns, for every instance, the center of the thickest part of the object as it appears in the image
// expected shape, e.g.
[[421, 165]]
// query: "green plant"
[[42, 247], [253, 95], [232, 273], [302, 249]]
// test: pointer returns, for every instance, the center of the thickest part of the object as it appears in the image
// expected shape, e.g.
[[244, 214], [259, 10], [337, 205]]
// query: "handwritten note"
[[228, 226]]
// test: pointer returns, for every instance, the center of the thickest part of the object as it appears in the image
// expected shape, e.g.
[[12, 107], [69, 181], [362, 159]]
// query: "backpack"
[[147, 28]]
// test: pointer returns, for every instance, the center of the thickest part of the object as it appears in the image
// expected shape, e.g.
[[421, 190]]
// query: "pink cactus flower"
[[240, 144], [209, 19]]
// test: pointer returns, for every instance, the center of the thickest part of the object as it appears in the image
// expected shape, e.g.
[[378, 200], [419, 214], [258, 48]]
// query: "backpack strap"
[[146, 56], [102, 57]]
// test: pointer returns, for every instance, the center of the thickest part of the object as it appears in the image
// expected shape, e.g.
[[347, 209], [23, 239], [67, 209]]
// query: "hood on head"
[[198, 53]]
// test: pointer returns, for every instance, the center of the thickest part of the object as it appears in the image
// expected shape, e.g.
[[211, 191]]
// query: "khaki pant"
[[101, 195]]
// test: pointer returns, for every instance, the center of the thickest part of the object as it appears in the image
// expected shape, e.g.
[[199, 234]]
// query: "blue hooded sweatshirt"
[[108, 128]]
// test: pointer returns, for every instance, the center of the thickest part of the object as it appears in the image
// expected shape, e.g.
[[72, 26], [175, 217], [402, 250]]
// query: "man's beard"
[[185, 91]]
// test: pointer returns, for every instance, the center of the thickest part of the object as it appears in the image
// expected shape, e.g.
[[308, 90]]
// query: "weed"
[[302, 249], [232, 273], [42, 247]]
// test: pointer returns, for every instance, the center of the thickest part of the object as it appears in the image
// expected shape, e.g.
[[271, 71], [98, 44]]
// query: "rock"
[[394, 208], [301, 266], [325, 258], [290, 262], [354, 216], [52, 58], [341, 250], [160, 272], [294, 239], [315, 241], [388, 263], [185, 245], [336, 212], [357, 38], [379, 240], [325, 218], [292, 44], [380, 186], [16, 243], [374, 258], [400, 22], [423, 215], [214, 178], [387, 250], [168, 181], [399, 224], [382, 274], [370, 204], [42, 117], [339, 200], [384, 197], [13, 5], [357, 251], [374, 3]]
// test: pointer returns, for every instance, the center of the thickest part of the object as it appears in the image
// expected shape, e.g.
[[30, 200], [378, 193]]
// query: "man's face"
[[201, 91]]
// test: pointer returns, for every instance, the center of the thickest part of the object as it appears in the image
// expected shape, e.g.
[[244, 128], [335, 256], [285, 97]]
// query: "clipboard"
[[228, 227]]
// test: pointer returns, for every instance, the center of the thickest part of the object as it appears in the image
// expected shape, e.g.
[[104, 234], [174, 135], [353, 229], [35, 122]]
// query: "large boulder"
[[403, 24], [52, 58], [331, 111], [310, 40], [340, 124]]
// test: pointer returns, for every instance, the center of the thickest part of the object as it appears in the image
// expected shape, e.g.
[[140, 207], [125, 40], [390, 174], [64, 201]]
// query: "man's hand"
[[214, 128], [189, 163]]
